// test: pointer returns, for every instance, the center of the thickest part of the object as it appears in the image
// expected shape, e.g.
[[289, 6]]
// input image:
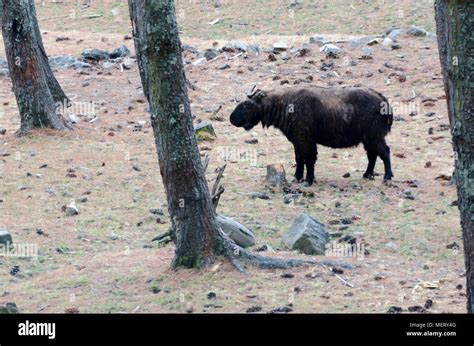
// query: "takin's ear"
[[257, 96]]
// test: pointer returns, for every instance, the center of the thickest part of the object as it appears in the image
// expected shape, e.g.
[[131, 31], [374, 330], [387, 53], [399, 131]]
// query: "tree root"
[[238, 256]]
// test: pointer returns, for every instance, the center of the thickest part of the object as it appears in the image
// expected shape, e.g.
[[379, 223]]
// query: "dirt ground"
[[103, 260]]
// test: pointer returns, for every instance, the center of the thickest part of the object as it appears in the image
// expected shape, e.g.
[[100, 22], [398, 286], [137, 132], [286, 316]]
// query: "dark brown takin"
[[332, 117]]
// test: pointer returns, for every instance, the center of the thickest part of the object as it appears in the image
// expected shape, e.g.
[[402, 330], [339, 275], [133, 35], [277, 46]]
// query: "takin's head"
[[249, 112]]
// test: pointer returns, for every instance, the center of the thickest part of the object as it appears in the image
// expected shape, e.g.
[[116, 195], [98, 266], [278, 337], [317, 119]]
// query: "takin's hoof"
[[387, 182], [297, 180], [369, 176]]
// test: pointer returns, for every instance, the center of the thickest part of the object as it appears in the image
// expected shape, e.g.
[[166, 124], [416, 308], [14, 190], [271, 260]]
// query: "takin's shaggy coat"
[[333, 117]]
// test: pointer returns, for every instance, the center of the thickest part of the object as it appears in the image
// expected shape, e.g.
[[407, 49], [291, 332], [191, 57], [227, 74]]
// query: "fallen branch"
[[345, 282]]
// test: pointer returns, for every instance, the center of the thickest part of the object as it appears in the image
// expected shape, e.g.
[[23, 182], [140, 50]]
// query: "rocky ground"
[[98, 257]]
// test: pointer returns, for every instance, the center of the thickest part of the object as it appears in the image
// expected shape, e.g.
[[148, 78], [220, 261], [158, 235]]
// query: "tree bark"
[[37, 91], [164, 84], [455, 25]]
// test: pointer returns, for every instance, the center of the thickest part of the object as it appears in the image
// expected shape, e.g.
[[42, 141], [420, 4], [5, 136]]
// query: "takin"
[[332, 117]]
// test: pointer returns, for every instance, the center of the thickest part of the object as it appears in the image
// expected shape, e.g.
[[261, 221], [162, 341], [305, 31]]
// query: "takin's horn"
[[252, 92]]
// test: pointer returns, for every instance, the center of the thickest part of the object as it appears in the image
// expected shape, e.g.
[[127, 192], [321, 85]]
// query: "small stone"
[[252, 309], [346, 175], [8, 308], [331, 50], [73, 118], [211, 295], [260, 195], [394, 310], [317, 39], [223, 67], [157, 211], [280, 46], [71, 209], [281, 310], [95, 54], [265, 248], [3, 131], [119, 52], [417, 31], [387, 42], [251, 141], [391, 246], [211, 53], [5, 237]]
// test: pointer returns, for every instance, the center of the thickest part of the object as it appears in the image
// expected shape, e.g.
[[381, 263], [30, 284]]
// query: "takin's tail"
[[385, 109]]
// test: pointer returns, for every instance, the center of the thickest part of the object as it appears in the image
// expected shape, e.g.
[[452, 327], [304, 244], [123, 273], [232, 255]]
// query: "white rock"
[[330, 49], [387, 42], [73, 118]]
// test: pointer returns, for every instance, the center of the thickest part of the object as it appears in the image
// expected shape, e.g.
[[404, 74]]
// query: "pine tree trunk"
[[455, 24], [164, 83], [37, 91]]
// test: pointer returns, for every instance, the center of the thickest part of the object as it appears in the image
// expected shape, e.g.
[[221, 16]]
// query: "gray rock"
[[318, 39], [393, 35], [366, 53], [95, 54], [188, 48], [204, 128], [360, 41], [157, 211], [240, 234], [4, 72], [265, 248], [241, 46], [5, 237], [8, 308], [78, 65], [416, 31], [119, 52], [61, 61], [107, 65], [211, 53], [390, 29], [307, 235], [261, 195]]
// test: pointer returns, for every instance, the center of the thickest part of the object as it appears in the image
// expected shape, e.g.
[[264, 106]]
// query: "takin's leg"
[[299, 157], [371, 150], [311, 155], [384, 152]]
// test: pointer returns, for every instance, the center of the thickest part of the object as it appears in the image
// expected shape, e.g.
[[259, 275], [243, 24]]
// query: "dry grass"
[[103, 261]]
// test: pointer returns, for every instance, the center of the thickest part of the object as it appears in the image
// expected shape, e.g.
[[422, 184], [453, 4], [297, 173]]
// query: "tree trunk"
[[455, 25], [444, 57], [37, 91], [164, 83]]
